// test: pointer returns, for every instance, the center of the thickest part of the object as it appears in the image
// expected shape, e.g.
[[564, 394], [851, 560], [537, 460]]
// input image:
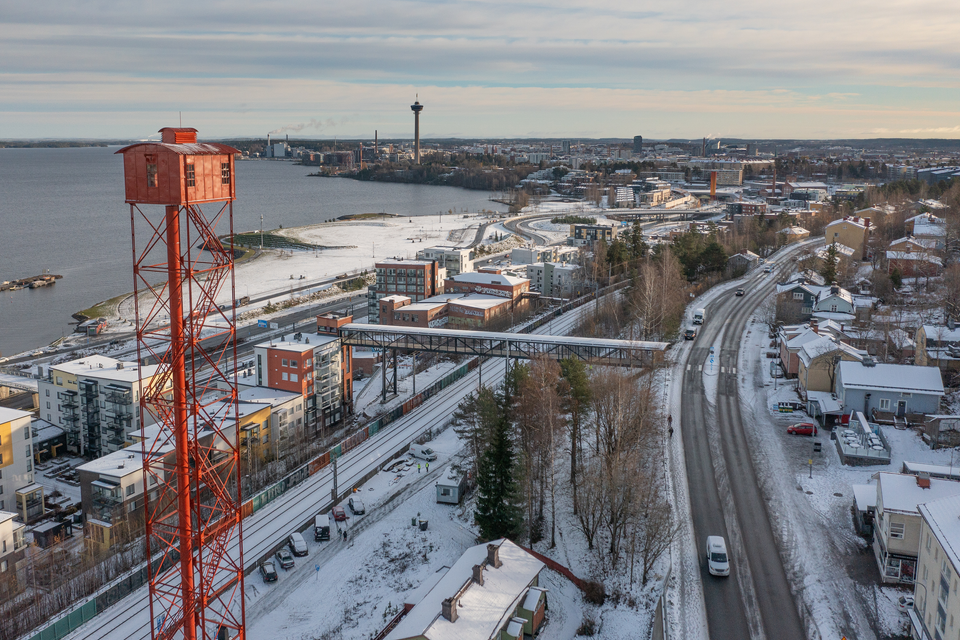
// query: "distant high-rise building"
[[638, 144], [565, 147]]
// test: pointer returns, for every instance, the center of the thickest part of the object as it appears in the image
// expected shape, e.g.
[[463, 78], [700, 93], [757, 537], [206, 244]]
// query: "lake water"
[[63, 210]]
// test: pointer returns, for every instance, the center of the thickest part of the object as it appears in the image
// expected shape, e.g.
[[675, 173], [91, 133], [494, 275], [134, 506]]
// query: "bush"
[[587, 628], [594, 593]]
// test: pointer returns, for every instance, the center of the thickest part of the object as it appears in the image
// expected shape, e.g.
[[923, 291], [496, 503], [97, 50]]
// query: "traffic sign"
[[262, 324]]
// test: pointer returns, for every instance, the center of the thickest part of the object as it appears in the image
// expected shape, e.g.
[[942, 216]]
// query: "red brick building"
[[416, 279]]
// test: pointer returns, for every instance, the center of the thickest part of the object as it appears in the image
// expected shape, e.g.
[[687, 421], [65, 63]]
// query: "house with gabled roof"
[[818, 360]]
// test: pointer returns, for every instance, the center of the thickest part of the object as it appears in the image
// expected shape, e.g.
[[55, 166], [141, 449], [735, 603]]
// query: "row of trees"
[[554, 430]]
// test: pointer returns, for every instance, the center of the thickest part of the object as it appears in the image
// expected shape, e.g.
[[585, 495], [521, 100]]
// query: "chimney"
[[449, 609], [923, 480], [493, 556], [478, 574], [815, 325]]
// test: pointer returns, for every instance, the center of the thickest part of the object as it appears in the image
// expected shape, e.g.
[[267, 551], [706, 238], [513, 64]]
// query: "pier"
[[33, 282]]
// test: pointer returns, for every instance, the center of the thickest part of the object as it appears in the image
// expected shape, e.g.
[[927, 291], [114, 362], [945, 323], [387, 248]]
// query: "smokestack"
[[376, 145], [268, 139]]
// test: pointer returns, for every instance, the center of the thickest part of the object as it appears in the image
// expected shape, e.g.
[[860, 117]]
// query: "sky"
[[483, 68]]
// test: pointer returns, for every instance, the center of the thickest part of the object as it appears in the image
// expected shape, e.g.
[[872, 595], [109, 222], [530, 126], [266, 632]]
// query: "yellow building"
[[849, 231]]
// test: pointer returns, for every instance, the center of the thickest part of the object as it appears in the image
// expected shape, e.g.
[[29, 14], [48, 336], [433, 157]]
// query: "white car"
[[905, 603], [718, 563], [768, 269], [356, 506]]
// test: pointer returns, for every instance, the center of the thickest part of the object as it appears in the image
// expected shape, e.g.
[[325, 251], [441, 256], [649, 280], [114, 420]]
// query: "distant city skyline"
[[565, 69]]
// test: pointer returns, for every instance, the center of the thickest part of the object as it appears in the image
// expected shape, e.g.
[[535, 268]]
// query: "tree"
[[829, 268], [896, 279], [498, 513], [474, 421], [575, 394]]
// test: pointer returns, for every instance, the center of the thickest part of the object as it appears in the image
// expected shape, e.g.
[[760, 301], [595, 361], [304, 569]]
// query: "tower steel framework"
[[184, 291]]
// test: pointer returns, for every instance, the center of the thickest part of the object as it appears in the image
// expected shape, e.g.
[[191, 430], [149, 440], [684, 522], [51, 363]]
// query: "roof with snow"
[[943, 518], [484, 609], [813, 350], [841, 249], [926, 243], [941, 333], [106, 368], [795, 231], [865, 495], [858, 222], [9, 415], [915, 256], [929, 230], [475, 277], [901, 493], [925, 218], [892, 377]]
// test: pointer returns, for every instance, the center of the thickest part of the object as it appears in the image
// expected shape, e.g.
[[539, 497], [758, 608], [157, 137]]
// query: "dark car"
[[285, 558], [690, 334], [268, 571], [297, 544], [356, 505], [802, 429], [339, 514], [740, 291], [321, 533]]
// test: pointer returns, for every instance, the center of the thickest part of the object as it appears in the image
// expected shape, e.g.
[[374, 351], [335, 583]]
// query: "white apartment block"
[[455, 260], [16, 459], [11, 541], [936, 612], [554, 280], [96, 401]]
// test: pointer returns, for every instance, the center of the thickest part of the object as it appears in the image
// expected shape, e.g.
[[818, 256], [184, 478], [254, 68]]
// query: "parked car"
[[802, 429], [339, 514], [285, 558], [321, 531], [740, 291], [356, 506], [268, 571], [297, 544], [905, 603], [718, 563]]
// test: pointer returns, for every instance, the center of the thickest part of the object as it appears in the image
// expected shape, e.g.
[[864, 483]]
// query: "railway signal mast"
[[188, 416]]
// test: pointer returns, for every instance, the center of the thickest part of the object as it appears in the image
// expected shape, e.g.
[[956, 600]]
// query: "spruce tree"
[[498, 513]]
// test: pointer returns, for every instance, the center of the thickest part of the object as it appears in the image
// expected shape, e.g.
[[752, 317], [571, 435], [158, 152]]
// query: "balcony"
[[68, 399], [88, 389], [119, 395], [120, 421]]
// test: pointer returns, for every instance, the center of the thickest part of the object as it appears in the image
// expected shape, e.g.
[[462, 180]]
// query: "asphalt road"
[[755, 601]]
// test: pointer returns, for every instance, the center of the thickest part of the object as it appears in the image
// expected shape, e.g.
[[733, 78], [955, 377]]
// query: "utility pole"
[[261, 232]]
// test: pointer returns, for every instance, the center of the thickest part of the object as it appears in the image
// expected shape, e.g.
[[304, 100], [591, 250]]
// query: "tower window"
[[224, 173], [151, 174], [191, 176]]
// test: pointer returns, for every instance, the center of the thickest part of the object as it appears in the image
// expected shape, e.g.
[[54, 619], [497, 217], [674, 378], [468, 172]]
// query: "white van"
[[718, 563], [423, 452], [699, 315]]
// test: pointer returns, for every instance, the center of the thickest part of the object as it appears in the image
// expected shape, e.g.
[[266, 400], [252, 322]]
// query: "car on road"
[[339, 514], [297, 544], [690, 333], [356, 506], [905, 603], [802, 429], [718, 563], [740, 291], [268, 571], [768, 269], [285, 558]]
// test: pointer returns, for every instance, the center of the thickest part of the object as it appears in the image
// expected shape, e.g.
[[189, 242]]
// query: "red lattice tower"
[[184, 291]]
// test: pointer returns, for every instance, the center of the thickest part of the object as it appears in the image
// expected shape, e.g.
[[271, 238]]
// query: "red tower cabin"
[[184, 291]]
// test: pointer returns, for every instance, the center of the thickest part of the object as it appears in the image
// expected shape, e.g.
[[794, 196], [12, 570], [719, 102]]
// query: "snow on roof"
[[828, 403], [812, 350], [895, 377], [935, 470], [841, 249], [9, 415], [118, 464], [857, 222], [803, 338], [6, 515], [901, 493], [30, 488], [103, 367], [394, 298], [43, 430], [188, 148], [914, 255], [941, 333], [480, 301], [827, 292], [865, 496], [484, 607], [943, 518], [927, 229], [306, 342], [266, 395], [795, 231], [474, 277], [926, 243], [925, 218]]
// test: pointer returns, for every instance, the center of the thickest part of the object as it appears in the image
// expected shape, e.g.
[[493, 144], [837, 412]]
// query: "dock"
[[33, 282]]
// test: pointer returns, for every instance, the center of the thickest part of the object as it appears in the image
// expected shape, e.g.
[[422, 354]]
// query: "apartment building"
[[416, 279], [488, 281], [12, 543], [96, 401], [849, 231], [554, 280], [936, 610], [454, 259], [588, 234], [312, 366], [16, 466]]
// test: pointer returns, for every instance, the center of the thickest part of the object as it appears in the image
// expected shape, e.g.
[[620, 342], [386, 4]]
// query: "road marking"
[[723, 369], [688, 367], [733, 370], [700, 367]]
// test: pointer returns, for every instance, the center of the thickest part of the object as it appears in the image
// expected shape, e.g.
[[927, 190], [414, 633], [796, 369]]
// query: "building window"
[[48, 395], [191, 176], [798, 295], [59, 381], [224, 173], [293, 377], [3, 566], [284, 375], [884, 404], [896, 530], [293, 363], [151, 174], [283, 362], [131, 489]]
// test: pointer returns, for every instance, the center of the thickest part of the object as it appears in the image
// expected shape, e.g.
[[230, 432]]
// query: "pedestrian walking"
[[418, 467], [670, 432]]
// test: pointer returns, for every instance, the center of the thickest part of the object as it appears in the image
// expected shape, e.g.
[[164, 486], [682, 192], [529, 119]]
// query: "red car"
[[339, 514], [803, 429]]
